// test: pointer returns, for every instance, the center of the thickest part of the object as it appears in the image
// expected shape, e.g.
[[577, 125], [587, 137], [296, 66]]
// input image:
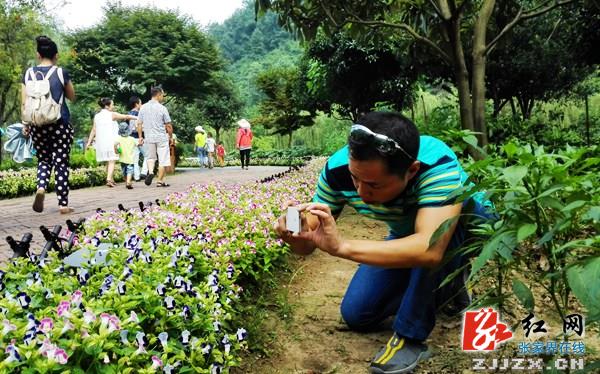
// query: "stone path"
[[17, 217]]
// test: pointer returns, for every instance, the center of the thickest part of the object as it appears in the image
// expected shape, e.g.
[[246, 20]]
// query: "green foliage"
[[252, 46], [350, 77], [14, 183], [19, 25], [136, 48], [283, 109], [548, 205], [222, 106]]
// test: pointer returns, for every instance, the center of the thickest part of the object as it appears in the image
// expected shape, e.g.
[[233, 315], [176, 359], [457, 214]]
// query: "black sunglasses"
[[385, 145]]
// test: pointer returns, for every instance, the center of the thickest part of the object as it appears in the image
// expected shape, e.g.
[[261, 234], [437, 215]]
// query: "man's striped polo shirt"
[[439, 176]]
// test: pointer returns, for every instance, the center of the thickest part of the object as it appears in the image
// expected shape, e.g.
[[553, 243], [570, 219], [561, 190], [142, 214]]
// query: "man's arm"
[[139, 131], [411, 251]]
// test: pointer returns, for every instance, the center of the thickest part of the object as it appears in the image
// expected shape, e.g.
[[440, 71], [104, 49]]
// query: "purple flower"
[[68, 326], [60, 356], [88, 316], [169, 303], [46, 325], [156, 362], [7, 327], [133, 318], [163, 337], [205, 348], [185, 337], [186, 313], [241, 334], [13, 353], [114, 324], [76, 298], [63, 309], [121, 288], [226, 344], [47, 347], [127, 272], [123, 336], [23, 299]]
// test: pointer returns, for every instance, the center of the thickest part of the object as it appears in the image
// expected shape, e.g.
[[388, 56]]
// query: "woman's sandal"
[[65, 210], [162, 184], [110, 184]]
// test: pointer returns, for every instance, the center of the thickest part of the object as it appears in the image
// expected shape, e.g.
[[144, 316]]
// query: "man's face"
[[373, 182]]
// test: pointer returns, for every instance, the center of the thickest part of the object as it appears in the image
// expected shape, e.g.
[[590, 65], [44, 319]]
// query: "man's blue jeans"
[[411, 294]]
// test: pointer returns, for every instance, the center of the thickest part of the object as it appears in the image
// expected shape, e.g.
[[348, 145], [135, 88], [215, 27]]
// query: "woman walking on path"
[[51, 141], [243, 142], [106, 130]]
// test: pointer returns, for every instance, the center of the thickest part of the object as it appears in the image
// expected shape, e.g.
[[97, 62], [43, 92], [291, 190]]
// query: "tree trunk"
[[412, 111], [513, 108], [217, 133], [290, 140], [461, 76], [424, 111], [478, 73], [587, 121]]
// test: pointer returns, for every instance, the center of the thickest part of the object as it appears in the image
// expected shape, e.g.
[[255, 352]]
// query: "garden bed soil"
[[315, 340]]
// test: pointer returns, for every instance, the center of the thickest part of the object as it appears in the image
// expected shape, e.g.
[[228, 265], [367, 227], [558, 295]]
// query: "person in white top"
[[210, 149], [105, 131]]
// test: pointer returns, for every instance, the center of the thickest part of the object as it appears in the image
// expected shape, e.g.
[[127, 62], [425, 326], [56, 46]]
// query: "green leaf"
[[583, 280], [593, 214], [442, 229], [574, 205], [511, 149], [514, 174], [524, 294], [526, 231]]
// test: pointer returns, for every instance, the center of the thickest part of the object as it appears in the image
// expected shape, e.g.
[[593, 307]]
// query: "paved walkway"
[[17, 217]]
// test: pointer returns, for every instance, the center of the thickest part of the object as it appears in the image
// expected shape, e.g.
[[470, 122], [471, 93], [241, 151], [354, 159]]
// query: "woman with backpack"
[[46, 117], [243, 142], [105, 131]]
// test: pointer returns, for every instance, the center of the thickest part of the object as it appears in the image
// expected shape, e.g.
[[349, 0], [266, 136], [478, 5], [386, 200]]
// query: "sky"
[[84, 13]]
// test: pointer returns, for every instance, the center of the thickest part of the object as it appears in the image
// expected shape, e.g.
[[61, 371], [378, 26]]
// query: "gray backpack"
[[40, 108]]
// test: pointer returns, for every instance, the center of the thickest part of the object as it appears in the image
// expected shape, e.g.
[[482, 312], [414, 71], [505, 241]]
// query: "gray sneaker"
[[398, 356]]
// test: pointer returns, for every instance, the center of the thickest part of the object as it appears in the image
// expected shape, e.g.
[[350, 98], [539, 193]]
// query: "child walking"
[[221, 154], [210, 148], [125, 147]]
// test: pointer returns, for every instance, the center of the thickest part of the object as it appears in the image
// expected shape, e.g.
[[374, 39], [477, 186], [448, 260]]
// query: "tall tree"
[[543, 59], [283, 107], [135, 48], [349, 78], [19, 25], [222, 106], [456, 31]]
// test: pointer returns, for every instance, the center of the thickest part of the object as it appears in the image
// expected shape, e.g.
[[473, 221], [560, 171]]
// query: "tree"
[[350, 78], [136, 48], [544, 59], [282, 109], [457, 32], [19, 25], [222, 106]]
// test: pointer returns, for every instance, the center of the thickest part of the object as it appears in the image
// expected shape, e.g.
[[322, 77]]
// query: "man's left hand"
[[326, 236]]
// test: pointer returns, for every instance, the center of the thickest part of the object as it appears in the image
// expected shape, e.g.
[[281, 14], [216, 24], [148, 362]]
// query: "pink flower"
[[114, 324], [104, 318], [46, 325], [47, 348], [63, 309], [76, 298], [68, 326], [7, 327], [84, 333], [133, 318], [88, 317], [156, 362], [60, 356]]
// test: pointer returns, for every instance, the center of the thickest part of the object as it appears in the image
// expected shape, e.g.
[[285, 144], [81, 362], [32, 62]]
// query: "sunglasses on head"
[[385, 145]]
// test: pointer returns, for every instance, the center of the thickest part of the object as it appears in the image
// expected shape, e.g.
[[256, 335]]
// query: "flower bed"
[[14, 183], [168, 298], [234, 161]]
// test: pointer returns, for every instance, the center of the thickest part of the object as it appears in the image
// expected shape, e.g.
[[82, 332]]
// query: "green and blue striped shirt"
[[439, 176]]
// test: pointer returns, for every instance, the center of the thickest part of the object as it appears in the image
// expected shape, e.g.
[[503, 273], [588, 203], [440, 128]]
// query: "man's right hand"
[[298, 245], [140, 141]]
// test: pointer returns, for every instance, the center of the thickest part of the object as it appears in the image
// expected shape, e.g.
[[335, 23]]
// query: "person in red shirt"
[[221, 154], [243, 142]]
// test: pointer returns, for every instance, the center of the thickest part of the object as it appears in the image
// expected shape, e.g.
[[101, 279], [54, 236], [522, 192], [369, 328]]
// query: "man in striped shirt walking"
[[390, 173]]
